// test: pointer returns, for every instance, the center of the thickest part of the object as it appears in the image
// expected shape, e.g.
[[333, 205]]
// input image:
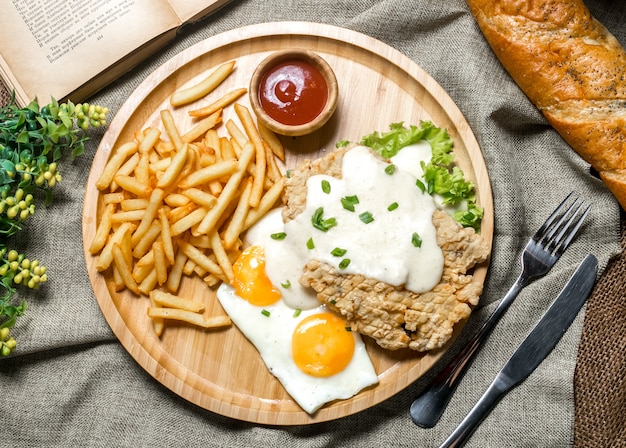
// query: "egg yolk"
[[321, 345], [251, 281]]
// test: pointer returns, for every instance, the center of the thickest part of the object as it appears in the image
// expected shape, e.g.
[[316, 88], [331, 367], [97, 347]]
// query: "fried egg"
[[308, 348]]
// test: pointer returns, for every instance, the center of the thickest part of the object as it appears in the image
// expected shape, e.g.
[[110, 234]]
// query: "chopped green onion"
[[390, 169], [297, 312], [416, 240], [349, 202], [392, 206], [366, 217], [288, 173], [278, 236], [310, 244], [286, 284], [349, 329], [320, 223], [325, 186], [265, 313], [420, 185], [344, 263], [338, 252], [333, 302]]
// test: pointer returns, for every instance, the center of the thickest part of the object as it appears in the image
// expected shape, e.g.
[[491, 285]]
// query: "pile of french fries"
[[177, 204]]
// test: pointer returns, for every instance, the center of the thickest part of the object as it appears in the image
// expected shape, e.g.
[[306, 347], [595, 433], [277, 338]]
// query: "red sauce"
[[293, 92]]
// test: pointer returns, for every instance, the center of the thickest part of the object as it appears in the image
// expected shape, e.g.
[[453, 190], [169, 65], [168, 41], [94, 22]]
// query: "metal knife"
[[534, 349]]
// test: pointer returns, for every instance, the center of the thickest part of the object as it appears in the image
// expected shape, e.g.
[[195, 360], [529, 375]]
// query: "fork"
[[541, 253]]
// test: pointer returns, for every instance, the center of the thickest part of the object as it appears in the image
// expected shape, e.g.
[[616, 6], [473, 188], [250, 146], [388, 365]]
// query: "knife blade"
[[534, 349]]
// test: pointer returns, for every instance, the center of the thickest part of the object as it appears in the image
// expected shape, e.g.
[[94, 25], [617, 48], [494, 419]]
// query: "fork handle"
[[426, 409]]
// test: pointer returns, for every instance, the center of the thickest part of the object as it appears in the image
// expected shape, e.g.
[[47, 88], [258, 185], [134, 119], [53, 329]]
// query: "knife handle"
[[465, 429]]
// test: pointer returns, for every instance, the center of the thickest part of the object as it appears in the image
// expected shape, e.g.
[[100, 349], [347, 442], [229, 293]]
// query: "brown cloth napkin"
[[600, 375]]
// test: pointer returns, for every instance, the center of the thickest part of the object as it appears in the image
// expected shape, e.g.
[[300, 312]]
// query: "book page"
[[194, 10], [52, 47]]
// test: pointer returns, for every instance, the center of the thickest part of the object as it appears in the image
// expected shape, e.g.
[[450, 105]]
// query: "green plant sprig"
[[33, 140]]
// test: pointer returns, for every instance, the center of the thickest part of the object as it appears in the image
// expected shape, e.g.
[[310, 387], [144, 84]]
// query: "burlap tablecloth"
[[71, 383]]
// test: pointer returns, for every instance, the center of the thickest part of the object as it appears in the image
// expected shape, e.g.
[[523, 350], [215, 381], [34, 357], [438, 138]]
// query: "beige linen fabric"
[[72, 384]]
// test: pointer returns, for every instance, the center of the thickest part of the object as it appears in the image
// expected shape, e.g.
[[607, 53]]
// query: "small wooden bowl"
[[298, 55]]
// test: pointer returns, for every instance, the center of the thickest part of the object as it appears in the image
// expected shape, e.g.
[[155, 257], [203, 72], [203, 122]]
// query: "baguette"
[[572, 68]]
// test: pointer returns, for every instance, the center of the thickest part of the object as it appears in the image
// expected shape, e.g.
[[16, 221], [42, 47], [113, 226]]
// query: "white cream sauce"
[[381, 249]]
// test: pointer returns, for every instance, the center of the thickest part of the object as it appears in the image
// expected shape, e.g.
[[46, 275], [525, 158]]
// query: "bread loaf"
[[572, 69]]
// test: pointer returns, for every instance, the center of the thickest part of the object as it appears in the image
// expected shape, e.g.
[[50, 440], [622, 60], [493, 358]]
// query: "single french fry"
[[236, 133], [188, 221], [140, 273], [118, 281], [175, 168], [211, 280], [115, 162], [222, 258], [145, 242], [160, 165], [267, 202], [221, 103], [166, 236], [150, 139], [200, 197], [176, 200], [206, 86], [134, 204], [190, 317], [132, 185], [113, 198], [273, 173], [179, 213], [170, 128], [124, 269], [103, 230], [160, 263], [230, 190], [156, 198], [272, 141], [200, 241], [189, 267], [176, 272], [201, 259], [149, 283], [128, 215], [146, 260], [235, 226], [226, 149], [209, 173], [105, 258], [253, 134], [158, 323], [168, 300], [202, 127], [142, 170]]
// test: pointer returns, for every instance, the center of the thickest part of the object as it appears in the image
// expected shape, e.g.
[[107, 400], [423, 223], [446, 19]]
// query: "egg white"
[[271, 334]]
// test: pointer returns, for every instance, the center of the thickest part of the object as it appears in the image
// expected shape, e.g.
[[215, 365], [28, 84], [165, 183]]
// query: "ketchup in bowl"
[[293, 92]]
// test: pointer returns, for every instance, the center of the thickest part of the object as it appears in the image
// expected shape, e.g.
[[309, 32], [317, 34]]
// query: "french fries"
[[201, 89], [176, 202]]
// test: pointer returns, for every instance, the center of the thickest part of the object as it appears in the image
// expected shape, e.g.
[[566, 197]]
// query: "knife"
[[534, 349]]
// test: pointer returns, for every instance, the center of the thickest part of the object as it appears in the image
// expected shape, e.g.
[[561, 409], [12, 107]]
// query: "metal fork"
[[542, 251]]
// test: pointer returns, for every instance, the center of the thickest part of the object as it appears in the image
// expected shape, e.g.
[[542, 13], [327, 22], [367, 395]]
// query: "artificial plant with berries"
[[33, 140]]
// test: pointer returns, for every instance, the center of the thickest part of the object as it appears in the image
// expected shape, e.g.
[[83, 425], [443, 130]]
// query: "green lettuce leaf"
[[441, 176]]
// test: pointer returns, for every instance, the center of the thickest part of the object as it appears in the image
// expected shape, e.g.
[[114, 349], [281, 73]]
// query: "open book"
[[72, 48]]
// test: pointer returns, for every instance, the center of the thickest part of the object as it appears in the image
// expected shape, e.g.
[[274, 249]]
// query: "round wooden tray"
[[220, 370]]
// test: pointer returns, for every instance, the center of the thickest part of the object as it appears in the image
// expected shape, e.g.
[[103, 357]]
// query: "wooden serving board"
[[220, 370]]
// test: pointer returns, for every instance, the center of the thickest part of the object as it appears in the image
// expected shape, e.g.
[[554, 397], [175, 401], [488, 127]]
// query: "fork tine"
[[540, 233], [560, 247]]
